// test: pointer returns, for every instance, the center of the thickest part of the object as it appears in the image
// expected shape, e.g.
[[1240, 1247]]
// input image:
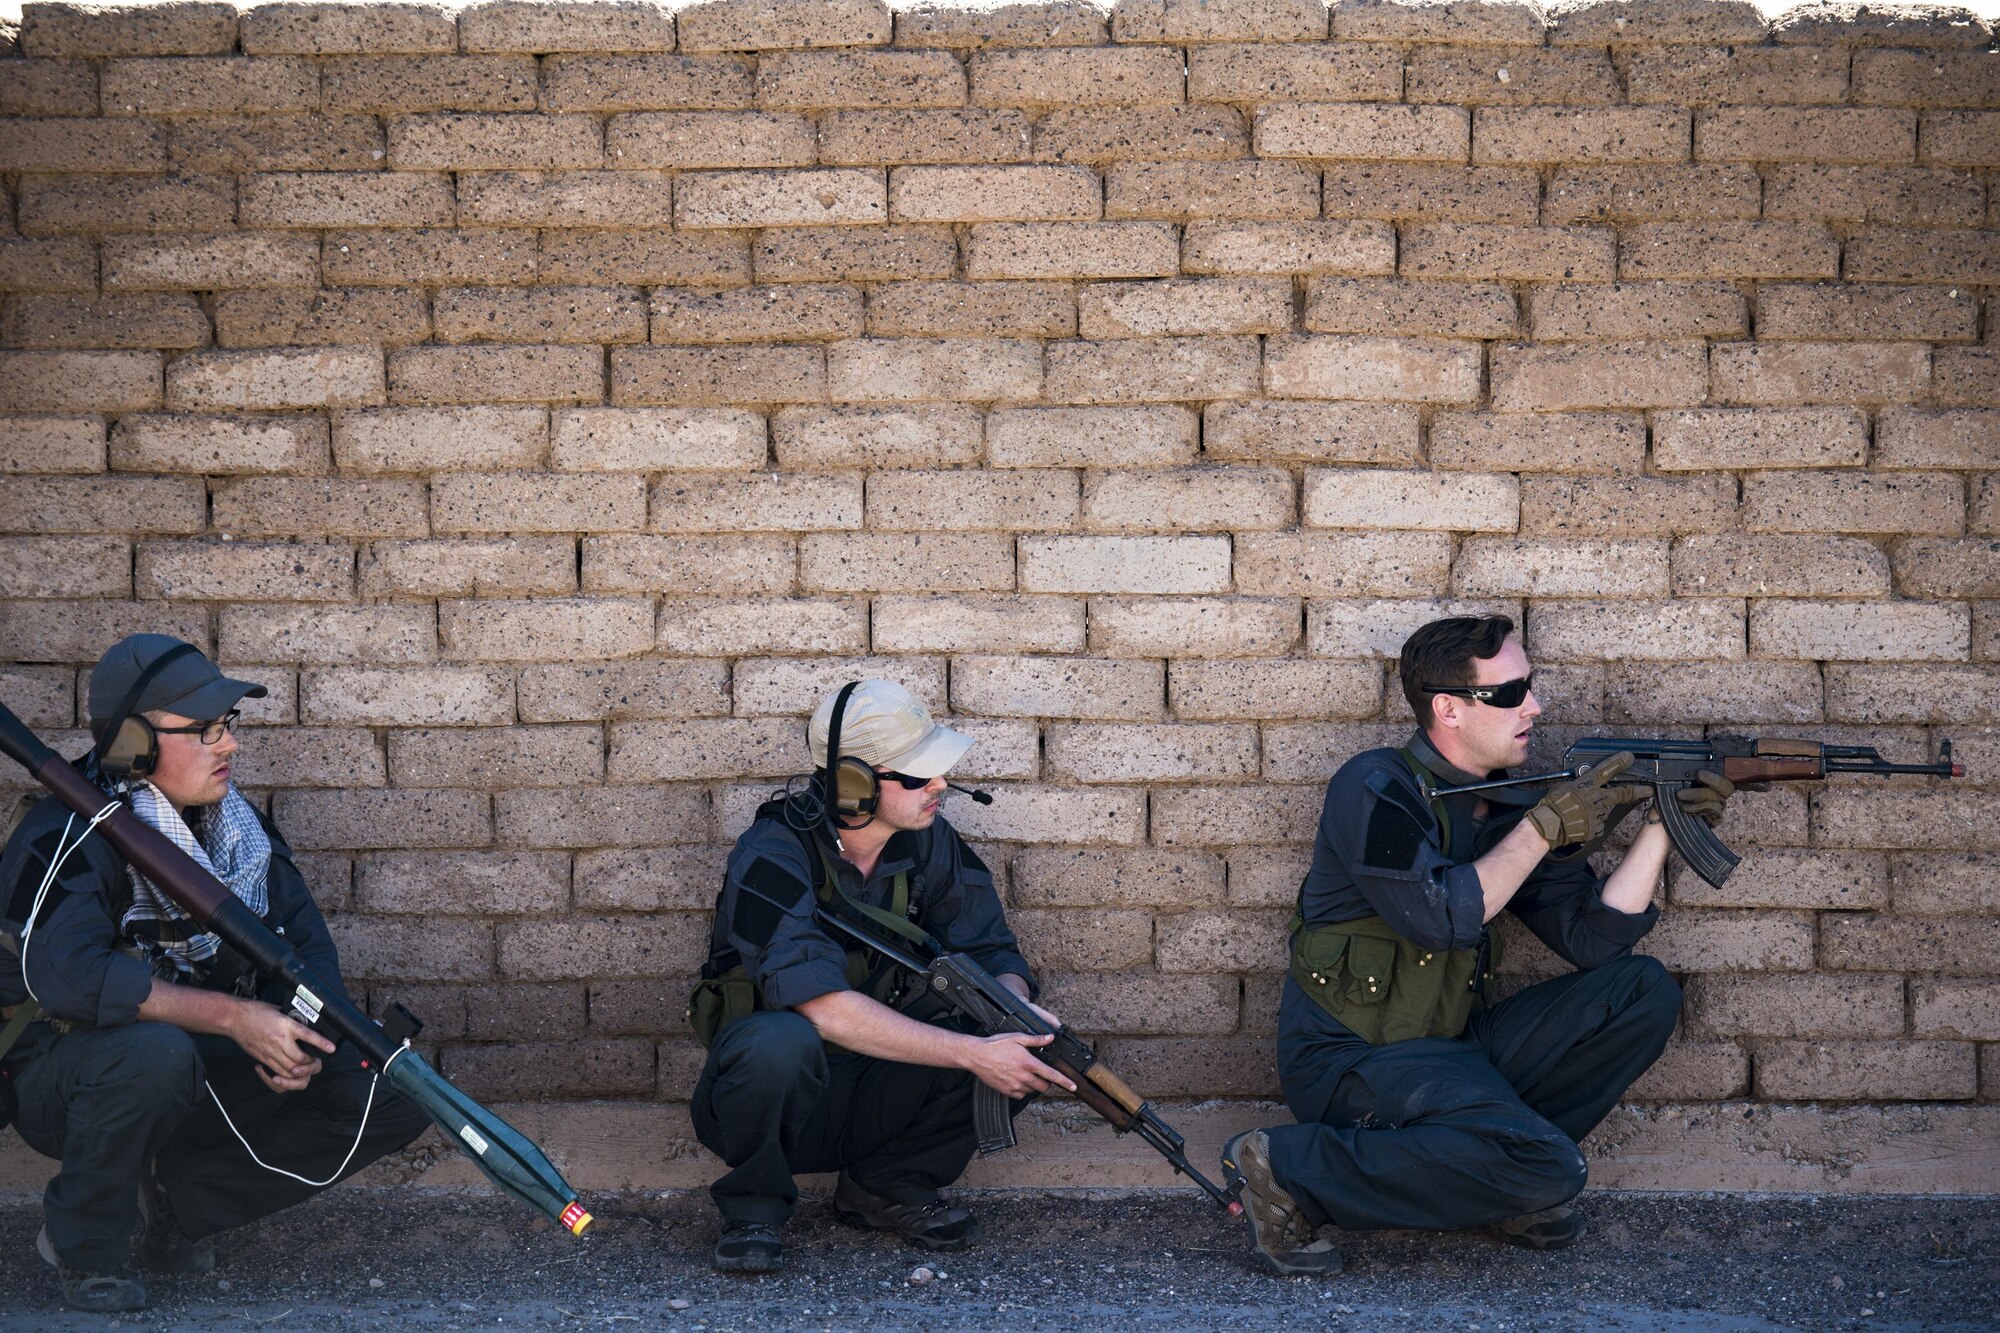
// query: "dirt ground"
[[434, 1259]]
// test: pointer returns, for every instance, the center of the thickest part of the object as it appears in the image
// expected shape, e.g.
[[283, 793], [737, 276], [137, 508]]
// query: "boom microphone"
[[983, 797]]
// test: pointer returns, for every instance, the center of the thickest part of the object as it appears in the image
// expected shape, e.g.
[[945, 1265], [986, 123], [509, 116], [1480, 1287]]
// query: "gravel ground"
[[435, 1259]]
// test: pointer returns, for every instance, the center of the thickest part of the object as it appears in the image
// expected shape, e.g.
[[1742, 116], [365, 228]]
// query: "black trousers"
[[773, 1101], [1436, 1133], [108, 1101]]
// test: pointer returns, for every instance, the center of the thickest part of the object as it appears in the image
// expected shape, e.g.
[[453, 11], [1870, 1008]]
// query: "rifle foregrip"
[[1115, 1088], [1774, 769], [1706, 854]]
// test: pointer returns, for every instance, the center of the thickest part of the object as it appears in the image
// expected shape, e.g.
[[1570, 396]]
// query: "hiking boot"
[[1550, 1229], [1285, 1239], [93, 1292], [930, 1226], [162, 1247], [749, 1247]]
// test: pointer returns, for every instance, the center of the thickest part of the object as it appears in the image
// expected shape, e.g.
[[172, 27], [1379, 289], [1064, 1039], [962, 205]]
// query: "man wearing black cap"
[[817, 1059], [156, 1074]]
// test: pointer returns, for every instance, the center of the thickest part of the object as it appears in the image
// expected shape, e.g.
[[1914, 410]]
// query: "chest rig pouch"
[[726, 993], [1380, 986]]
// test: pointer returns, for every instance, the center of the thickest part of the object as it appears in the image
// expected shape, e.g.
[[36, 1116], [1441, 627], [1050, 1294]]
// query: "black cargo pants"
[[106, 1101], [774, 1101], [1436, 1133]]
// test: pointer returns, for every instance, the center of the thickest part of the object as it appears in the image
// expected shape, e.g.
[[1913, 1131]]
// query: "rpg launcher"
[[1669, 766], [969, 990], [508, 1158]]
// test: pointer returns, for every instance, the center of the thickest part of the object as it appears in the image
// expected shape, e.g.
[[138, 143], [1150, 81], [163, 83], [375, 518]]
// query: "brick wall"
[[548, 401]]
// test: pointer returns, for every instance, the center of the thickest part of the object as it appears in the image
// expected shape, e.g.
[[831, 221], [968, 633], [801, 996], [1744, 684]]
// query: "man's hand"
[[1007, 1064], [1706, 802], [281, 1045], [1019, 986], [1575, 811]]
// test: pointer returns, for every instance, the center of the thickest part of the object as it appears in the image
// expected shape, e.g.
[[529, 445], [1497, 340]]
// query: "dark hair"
[[1442, 653]]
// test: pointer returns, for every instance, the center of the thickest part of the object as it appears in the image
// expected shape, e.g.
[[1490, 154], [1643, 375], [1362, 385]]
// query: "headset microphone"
[[983, 797]]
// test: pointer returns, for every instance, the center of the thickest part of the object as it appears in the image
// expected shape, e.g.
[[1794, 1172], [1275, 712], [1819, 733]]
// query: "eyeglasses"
[[1507, 694], [905, 781], [210, 732]]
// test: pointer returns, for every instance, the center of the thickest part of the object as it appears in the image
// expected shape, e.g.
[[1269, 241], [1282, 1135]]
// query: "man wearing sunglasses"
[[1422, 1101], [148, 1061], [818, 1058]]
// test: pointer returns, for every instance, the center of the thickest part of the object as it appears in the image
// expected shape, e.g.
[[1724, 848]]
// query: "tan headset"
[[856, 788], [127, 746]]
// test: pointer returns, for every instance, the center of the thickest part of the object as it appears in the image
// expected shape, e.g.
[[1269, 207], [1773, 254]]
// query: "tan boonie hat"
[[884, 724]]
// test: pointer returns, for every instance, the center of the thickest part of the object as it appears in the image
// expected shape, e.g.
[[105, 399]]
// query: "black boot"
[[162, 1246], [749, 1247], [93, 1292], [930, 1226], [1551, 1229]]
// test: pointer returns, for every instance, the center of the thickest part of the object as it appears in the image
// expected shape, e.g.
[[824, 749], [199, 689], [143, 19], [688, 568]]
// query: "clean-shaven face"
[[1498, 737], [190, 773]]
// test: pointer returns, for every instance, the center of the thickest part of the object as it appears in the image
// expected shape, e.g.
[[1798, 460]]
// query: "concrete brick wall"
[[550, 400]]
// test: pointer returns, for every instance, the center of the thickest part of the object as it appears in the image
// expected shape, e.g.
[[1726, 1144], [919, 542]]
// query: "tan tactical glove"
[[1575, 811], [1706, 801]]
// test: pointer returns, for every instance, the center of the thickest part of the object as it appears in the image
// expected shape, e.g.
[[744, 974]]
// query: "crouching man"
[[1419, 1104], [818, 1058], [179, 1102]]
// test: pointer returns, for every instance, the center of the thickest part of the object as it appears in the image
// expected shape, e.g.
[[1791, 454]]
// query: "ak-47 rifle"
[[969, 990], [1669, 766]]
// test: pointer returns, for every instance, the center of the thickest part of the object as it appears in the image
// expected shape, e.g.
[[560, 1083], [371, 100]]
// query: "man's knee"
[[153, 1061], [1557, 1173], [1654, 992], [769, 1051]]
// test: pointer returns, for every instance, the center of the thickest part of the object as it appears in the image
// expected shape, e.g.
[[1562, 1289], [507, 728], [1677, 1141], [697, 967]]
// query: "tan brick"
[[47, 266], [649, 879], [1384, 564], [986, 624], [1944, 567], [1911, 196], [1730, 565], [427, 83], [692, 566], [1432, 193], [710, 748], [709, 139], [1274, 72], [1082, 941], [1156, 133], [566, 25], [347, 199], [548, 315], [1125, 564], [1796, 1006], [1611, 135], [564, 198], [1790, 877], [1188, 307], [1372, 369], [1098, 689], [61, 143], [1379, 132], [1522, 75], [1394, 306], [373, 947], [77, 567], [1311, 432], [1627, 506], [1527, 377], [1633, 312], [1139, 1003], [303, 318], [97, 205], [431, 376], [1538, 567], [1084, 436], [1925, 503], [1577, 442], [986, 194], [1267, 689], [945, 501], [1860, 631], [878, 138], [701, 376], [377, 635], [611, 439], [595, 258], [391, 258], [1696, 941], [1237, 815], [1200, 190], [1202, 941], [307, 507], [914, 370], [1873, 135], [1728, 250], [1072, 250], [494, 141], [1081, 877], [627, 82], [1867, 1071], [1359, 629], [95, 504], [310, 757], [1388, 21], [740, 25], [477, 502], [972, 309], [52, 444], [579, 947], [793, 687], [464, 883], [277, 143], [885, 562], [319, 27], [497, 757], [1152, 753], [1749, 438], [420, 439], [876, 437], [1925, 78], [365, 820], [1637, 631], [1965, 376], [1968, 1010], [1188, 500], [1690, 24], [233, 571], [1919, 314], [1101, 76], [510, 566], [48, 88], [861, 79], [316, 377], [1913, 694], [1267, 879], [246, 259], [780, 199], [756, 502], [1653, 194], [848, 254], [617, 691], [1463, 502], [1694, 1071], [1876, 942], [132, 30], [545, 631], [1196, 21], [1723, 75], [1251, 248], [788, 312], [168, 320], [1193, 626], [1041, 23]]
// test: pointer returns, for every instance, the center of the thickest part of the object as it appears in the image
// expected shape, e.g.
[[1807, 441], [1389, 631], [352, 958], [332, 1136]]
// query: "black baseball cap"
[[190, 685]]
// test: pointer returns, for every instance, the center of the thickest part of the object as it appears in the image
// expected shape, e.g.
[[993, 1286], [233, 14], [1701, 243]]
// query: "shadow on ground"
[[434, 1259]]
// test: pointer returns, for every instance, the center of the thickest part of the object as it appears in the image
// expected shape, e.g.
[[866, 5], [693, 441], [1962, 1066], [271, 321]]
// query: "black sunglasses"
[[905, 781], [210, 731], [1507, 694]]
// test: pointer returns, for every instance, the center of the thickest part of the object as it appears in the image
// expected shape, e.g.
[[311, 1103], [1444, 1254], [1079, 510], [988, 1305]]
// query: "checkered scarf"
[[228, 842]]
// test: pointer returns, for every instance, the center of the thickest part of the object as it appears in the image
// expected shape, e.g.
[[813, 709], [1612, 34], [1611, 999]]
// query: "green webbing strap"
[[896, 919], [25, 1013], [1425, 780]]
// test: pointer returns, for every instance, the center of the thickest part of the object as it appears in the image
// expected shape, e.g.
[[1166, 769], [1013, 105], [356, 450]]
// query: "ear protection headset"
[[127, 746], [852, 784]]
